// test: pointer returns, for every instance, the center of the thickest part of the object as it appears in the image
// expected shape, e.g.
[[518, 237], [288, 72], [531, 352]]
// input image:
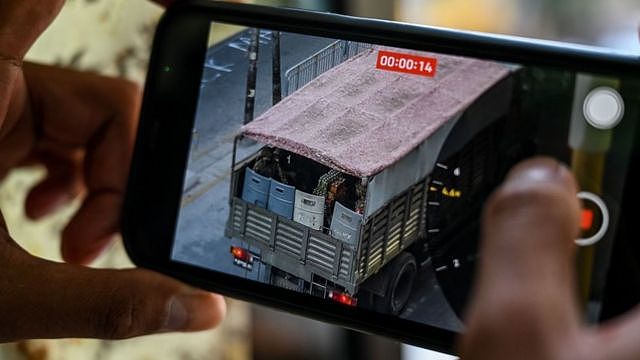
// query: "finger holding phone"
[[81, 127]]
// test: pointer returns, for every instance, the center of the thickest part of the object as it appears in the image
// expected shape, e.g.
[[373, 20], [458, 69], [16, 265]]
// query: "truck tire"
[[400, 275]]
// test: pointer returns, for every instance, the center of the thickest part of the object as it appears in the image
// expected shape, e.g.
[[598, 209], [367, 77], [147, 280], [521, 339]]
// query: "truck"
[[353, 171]]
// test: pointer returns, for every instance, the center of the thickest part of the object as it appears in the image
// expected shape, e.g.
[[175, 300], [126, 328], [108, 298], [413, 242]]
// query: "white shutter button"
[[603, 108]]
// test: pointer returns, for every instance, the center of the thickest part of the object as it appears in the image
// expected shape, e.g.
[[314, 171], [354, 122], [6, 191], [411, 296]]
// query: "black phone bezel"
[[168, 111]]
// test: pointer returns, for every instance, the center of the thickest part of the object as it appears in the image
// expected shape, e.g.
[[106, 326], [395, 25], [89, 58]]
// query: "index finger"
[[97, 115], [525, 295]]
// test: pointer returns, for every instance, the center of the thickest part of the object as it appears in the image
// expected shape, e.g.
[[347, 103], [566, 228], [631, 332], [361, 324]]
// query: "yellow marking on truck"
[[453, 193]]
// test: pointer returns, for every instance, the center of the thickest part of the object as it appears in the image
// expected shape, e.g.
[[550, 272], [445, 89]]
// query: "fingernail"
[[178, 315], [542, 170]]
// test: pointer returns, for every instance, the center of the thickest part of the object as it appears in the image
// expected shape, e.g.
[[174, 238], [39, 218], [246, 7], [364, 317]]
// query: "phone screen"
[[357, 173]]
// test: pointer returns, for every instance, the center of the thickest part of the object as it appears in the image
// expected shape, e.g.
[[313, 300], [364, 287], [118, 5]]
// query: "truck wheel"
[[400, 275]]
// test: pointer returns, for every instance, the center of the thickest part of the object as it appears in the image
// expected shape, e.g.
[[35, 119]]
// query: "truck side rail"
[[392, 229]]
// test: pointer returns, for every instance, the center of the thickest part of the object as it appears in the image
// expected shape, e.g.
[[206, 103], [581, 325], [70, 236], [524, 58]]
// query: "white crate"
[[309, 210]]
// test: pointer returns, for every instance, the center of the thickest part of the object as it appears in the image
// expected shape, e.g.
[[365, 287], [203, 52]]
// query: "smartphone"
[[336, 167]]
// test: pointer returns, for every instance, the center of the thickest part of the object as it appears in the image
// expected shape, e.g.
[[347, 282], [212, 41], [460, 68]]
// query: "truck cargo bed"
[[293, 247], [305, 252]]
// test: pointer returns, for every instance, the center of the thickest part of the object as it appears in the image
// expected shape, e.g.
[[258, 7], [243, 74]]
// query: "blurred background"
[[113, 37]]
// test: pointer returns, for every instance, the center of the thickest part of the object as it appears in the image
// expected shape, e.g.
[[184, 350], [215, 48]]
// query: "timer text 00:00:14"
[[406, 63]]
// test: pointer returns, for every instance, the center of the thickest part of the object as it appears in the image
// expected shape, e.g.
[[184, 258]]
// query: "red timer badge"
[[405, 63]]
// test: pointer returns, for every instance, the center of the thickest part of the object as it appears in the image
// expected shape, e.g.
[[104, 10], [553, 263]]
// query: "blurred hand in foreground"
[[525, 304], [81, 127]]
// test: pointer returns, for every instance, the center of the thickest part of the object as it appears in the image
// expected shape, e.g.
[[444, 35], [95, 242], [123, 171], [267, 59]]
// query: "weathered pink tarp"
[[359, 120]]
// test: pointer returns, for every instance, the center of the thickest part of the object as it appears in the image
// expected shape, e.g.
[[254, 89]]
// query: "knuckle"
[[129, 88], [117, 320], [128, 314], [125, 95]]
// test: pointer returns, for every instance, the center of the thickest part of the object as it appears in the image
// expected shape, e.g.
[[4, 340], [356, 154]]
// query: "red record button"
[[586, 222], [594, 219]]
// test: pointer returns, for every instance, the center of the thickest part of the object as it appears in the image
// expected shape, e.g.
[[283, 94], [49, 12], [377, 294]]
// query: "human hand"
[[44, 299], [525, 304], [81, 127]]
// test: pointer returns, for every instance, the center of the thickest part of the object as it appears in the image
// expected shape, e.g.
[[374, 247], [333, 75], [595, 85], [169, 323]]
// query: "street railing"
[[320, 62]]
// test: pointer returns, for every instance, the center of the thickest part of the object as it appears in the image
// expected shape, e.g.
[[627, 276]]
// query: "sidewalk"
[[210, 164]]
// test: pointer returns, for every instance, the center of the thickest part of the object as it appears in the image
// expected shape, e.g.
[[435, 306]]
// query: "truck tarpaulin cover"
[[360, 120]]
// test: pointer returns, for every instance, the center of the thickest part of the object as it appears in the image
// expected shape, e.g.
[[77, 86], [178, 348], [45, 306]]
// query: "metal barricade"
[[320, 62]]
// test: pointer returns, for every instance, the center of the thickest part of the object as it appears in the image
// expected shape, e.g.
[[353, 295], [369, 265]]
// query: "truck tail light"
[[342, 298], [242, 254]]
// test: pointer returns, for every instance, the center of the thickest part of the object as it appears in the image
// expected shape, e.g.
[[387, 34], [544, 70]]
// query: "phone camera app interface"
[[357, 173]]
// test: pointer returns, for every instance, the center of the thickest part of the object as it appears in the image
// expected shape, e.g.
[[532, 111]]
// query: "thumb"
[[525, 297], [42, 299]]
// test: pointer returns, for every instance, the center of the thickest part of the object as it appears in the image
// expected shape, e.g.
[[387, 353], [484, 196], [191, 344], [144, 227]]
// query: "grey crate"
[[345, 224]]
